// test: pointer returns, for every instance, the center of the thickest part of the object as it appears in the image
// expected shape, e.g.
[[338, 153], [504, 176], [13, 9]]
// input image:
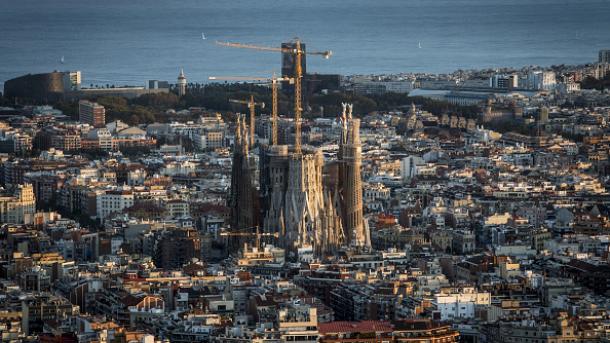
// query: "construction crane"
[[297, 52], [256, 234], [252, 106], [274, 80]]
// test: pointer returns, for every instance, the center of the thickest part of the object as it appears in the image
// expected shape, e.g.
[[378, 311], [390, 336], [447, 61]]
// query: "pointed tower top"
[[238, 131], [245, 137], [353, 136]]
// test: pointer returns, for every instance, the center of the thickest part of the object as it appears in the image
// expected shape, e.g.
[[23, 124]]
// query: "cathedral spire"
[[343, 121], [350, 162], [242, 199], [354, 132], [350, 107], [238, 132], [245, 138]]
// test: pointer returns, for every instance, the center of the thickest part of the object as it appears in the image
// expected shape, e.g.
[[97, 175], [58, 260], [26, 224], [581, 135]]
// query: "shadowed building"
[[43, 87], [177, 247], [243, 197], [66, 85], [289, 65]]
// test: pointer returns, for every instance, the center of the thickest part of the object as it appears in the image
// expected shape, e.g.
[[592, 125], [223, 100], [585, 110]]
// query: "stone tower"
[[295, 202], [181, 83], [308, 219], [243, 197], [350, 182]]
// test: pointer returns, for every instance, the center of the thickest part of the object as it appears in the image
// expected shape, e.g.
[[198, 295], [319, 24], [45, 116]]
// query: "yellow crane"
[[256, 234], [252, 106], [297, 52], [274, 80]]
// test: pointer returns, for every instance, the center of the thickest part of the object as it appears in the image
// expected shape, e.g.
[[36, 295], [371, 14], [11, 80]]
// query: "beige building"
[[19, 206]]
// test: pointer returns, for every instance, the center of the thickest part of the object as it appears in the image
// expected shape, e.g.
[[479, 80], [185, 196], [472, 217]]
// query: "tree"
[[160, 101], [592, 83], [69, 108]]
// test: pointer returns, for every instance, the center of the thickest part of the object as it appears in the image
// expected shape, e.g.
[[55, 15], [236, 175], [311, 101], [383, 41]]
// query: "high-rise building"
[[91, 113], [72, 80], [181, 83], [541, 80], [504, 81], [604, 56]]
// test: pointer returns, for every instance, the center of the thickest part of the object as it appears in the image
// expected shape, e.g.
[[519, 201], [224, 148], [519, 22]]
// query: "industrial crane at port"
[[274, 96], [252, 106], [297, 52]]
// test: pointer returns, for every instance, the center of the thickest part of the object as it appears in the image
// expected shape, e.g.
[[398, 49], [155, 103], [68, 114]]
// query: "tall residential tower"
[[91, 113]]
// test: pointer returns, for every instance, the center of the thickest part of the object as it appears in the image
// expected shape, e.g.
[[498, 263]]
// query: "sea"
[[126, 42]]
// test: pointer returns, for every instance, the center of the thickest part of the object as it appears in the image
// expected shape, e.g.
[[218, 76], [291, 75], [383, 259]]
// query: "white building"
[[504, 81], [71, 80], [177, 208], [375, 195], [460, 303], [209, 139], [113, 201], [19, 206], [179, 168], [541, 80], [376, 191], [181, 83], [408, 167], [102, 136], [298, 323]]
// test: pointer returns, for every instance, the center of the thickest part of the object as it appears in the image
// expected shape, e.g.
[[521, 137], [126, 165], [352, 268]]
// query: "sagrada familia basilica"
[[309, 203]]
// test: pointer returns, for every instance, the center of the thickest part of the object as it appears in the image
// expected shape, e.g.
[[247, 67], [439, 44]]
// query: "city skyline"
[[161, 38], [331, 183]]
